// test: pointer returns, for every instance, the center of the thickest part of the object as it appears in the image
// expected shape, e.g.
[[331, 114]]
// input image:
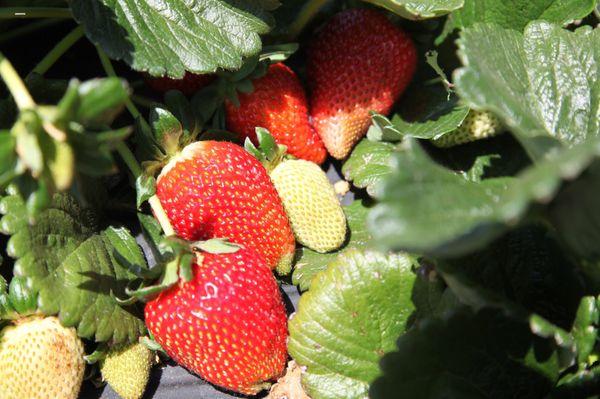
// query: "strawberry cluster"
[[228, 323]]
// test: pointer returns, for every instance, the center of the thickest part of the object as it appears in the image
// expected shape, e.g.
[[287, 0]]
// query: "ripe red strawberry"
[[358, 62], [278, 103], [189, 84], [217, 189], [228, 324]]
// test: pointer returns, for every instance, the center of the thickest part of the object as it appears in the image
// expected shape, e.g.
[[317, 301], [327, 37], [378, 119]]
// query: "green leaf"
[[581, 384], [516, 14], [153, 234], [27, 131], [585, 328], [563, 340], [309, 263], [101, 100], [278, 53], [419, 9], [369, 164], [468, 355], [526, 267], [21, 296], [543, 84], [216, 246], [145, 187], [76, 272], [431, 296], [352, 316], [167, 129], [442, 116], [199, 36], [579, 226], [426, 208], [8, 157]]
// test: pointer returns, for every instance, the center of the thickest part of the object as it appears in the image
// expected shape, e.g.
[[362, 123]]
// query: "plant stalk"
[[110, 71], [136, 171], [129, 158], [142, 101], [61, 47], [15, 84], [307, 13], [34, 12]]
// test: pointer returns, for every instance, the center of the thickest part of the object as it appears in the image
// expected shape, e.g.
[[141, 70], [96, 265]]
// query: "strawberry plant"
[[302, 199]]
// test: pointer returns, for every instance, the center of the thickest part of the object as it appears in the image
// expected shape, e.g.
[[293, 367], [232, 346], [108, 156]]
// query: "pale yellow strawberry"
[[127, 369], [40, 359], [311, 204], [476, 126]]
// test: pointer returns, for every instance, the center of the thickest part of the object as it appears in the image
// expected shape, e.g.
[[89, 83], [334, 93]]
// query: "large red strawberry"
[[359, 62], [189, 84], [217, 189], [228, 324], [278, 103]]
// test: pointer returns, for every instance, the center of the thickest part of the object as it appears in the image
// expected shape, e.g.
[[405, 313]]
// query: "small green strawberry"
[[127, 369], [310, 201], [476, 126]]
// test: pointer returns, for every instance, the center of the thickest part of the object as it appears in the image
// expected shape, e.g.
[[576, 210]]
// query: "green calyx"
[[268, 152], [177, 263]]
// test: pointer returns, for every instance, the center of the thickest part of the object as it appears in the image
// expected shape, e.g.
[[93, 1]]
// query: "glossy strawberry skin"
[[278, 103], [359, 62], [188, 85], [228, 324], [216, 189]]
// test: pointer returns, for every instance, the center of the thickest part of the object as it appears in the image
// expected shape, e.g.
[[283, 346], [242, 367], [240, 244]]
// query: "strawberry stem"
[[136, 171], [34, 12], [307, 13], [61, 47], [15, 84], [129, 158], [110, 71], [161, 215]]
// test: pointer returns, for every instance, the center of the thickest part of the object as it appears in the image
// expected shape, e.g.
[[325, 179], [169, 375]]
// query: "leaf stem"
[[136, 170], [15, 84], [61, 47], [28, 28], [129, 158], [110, 71], [142, 101], [307, 13], [34, 12]]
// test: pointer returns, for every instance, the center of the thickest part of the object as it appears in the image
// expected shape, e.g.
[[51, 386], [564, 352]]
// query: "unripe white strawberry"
[[40, 359], [311, 204]]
